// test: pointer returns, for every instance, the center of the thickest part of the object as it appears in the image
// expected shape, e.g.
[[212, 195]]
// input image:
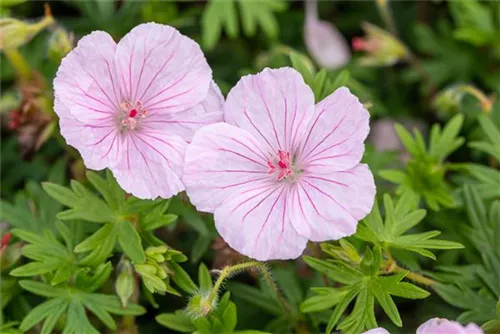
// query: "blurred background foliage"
[[435, 62]]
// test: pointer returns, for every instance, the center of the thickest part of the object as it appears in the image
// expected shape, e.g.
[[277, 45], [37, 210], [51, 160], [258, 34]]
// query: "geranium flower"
[[132, 106], [281, 171], [444, 326], [324, 42], [378, 330]]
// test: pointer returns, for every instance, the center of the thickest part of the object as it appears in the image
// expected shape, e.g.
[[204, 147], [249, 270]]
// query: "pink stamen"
[[283, 165], [133, 113]]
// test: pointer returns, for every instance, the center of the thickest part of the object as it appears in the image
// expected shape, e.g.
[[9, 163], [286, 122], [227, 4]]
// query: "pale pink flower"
[[444, 326], [327, 46], [378, 330], [282, 170], [132, 106]]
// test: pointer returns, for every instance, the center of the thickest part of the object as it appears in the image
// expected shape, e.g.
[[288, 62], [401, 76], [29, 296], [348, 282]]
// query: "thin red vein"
[[162, 141], [323, 140], [330, 197], [235, 207], [311, 130], [267, 217], [161, 69], [268, 112], [328, 148], [241, 155], [325, 179], [258, 204], [98, 85], [154, 149], [102, 139]]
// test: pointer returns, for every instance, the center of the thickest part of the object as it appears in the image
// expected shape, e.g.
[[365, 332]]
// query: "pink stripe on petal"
[[260, 104]]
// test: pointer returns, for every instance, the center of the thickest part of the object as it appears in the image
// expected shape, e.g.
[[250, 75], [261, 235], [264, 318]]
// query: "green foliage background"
[[84, 257]]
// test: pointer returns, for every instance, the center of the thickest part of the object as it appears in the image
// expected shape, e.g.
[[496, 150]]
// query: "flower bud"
[[327, 46], [448, 101], [382, 48], [60, 44], [124, 284], [200, 305], [15, 33]]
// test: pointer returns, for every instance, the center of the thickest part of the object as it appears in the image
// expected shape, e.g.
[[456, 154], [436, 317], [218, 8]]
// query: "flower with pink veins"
[[378, 330], [444, 326], [132, 106], [281, 171]]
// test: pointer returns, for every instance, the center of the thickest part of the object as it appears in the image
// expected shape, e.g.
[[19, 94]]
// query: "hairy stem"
[[228, 271]]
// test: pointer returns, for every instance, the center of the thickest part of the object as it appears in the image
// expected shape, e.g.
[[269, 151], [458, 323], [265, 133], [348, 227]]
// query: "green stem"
[[17, 60], [385, 12], [392, 266], [230, 270], [486, 103], [274, 287], [415, 277], [225, 273]]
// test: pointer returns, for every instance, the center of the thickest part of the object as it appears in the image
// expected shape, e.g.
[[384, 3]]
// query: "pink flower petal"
[[256, 223], [86, 82], [151, 165], [329, 206], [185, 123], [378, 330], [274, 105], [164, 70], [98, 144], [444, 326], [221, 161], [336, 134]]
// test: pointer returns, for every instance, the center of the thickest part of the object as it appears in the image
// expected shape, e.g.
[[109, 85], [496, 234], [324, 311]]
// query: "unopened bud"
[[60, 44], [150, 251], [448, 101], [15, 33], [382, 48], [124, 284], [200, 305]]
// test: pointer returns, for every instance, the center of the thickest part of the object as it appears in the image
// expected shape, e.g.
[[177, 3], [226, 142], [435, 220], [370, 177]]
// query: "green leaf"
[[131, 242], [336, 270], [100, 313], [304, 66], [229, 318], [43, 289], [385, 300], [255, 297], [41, 312], [84, 204], [55, 314], [177, 321], [204, 278], [9, 3], [327, 299], [182, 279]]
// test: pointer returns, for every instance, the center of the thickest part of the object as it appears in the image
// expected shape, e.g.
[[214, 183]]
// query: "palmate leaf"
[[425, 172], [492, 132], [74, 303], [222, 15], [398, 219], [479, 300], [364, 287], [49, 255]]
